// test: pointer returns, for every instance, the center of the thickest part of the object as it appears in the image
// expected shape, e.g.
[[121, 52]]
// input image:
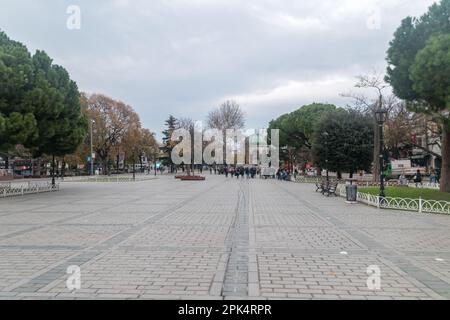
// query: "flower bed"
[[190, 178]]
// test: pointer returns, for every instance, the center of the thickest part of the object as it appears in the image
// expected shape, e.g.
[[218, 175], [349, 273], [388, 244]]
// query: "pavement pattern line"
[[44, 279], [236, 272], [218, 239], [394, 256]]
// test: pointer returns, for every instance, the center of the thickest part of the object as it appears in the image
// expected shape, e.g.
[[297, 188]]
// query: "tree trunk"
[[376, 153], [445, 172], [53, 170], [63, 168], [105, 167], [38, 171], [188, 170]]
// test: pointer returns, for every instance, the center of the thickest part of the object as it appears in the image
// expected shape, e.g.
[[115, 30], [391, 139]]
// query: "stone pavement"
[[218, 239]]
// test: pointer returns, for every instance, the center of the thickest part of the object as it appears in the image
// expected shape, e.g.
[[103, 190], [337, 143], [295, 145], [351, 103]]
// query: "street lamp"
[[92, 150], [381, 116], [53, 171], [326, 135]]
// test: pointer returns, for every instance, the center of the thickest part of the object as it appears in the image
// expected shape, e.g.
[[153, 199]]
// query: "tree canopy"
[[419, 60], [297, 128], [112, 122], [39, 103], [17, 121], [343, 141], [430, 73], [412, 36]]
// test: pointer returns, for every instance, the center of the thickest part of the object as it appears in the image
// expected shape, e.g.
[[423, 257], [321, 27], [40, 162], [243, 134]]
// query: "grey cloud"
[[184, 57]]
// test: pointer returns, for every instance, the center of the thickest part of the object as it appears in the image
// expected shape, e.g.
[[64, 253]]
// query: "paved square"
[[218, 239]]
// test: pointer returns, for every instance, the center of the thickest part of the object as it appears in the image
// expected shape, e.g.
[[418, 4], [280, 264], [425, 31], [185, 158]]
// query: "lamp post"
[[326, 135], [53, 171], [381, 115], [92, 149]]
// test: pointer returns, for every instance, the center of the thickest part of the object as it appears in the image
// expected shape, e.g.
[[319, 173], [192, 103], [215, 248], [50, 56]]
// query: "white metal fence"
[[14, 189], [362, 183], [428, 185], [110, 179], [417, 205], [303, 179]]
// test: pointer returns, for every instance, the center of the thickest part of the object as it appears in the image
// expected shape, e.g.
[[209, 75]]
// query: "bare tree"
[[403, 126], [228, 116], [374, 81]]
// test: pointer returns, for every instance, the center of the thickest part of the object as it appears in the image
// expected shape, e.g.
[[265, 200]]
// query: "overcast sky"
[[184, 57]]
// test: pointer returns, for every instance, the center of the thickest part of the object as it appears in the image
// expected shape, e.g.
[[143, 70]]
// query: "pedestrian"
[[403, 180], [253, 172], [418, 178], [433, 178]]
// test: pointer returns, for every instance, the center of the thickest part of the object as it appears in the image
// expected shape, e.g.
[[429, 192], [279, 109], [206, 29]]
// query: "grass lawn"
[[412, 193]]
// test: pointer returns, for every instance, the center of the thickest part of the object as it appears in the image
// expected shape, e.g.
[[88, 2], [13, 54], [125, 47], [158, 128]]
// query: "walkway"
[[219, 239]]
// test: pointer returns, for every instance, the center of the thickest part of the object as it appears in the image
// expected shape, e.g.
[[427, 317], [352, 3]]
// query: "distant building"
[[426, 149]]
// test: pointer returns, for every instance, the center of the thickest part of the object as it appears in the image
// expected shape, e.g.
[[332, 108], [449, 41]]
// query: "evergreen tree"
[[296, 130], [343, 141], [39, 103], [171, 126], [55, 102], [418, 60], [17, 121]]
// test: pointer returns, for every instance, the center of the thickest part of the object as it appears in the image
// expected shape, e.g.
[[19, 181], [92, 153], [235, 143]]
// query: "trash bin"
[[352, 193]]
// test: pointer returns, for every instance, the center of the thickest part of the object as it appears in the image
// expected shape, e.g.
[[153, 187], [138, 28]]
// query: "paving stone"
[[217, 239]]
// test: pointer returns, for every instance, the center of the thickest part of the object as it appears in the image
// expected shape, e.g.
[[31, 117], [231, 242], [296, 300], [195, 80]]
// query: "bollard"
[[420, 204]]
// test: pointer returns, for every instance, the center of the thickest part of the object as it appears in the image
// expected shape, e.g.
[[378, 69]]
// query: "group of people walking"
[[240, 172], [251, 172]]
